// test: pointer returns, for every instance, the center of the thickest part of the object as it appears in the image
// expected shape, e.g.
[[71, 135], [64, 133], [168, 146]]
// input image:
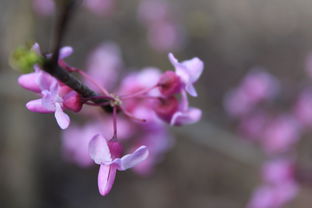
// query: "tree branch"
[[52, 67]]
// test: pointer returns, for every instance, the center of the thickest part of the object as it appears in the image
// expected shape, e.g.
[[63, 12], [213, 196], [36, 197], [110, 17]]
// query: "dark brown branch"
[[51, 65], [75, 84]]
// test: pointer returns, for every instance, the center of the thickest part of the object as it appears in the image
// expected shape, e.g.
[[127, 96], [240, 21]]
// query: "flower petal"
[[131, 160], [62, 118], [191, 90], [99, 150], [189, 71], [183, 118], [28, 81], [36, 106], [65, 52], [106, 178], [194, 67]]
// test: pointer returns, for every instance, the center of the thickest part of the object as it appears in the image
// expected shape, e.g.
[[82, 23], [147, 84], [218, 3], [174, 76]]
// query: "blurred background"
[[209, 166]]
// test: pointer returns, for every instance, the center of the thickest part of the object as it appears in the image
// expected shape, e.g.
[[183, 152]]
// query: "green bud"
[[23, 59]]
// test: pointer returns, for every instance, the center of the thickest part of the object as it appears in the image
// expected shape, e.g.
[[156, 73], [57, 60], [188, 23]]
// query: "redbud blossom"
[[107, 154], [55, 96]]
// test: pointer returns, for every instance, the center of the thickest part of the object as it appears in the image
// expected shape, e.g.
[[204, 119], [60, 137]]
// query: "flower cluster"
[[134, 135], [251, 104]]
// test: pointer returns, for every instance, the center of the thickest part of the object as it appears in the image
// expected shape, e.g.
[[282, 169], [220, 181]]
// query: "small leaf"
[[23, 59]]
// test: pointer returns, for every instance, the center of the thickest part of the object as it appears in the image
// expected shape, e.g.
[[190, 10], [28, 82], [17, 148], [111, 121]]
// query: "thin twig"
[[52, 67]]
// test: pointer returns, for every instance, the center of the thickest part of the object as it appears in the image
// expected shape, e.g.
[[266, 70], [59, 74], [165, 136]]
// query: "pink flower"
[[303, 109], [164, 36], [278, 171], [270, 196], [75, 139], [252, 125], [44, 7], [259, 85], [158, 142], [281, 134], [104, 64], [55, 96], [256, 87], [150, 11], [237, 103], [163, 33], [100, 7], [188, 71], [107, 154]]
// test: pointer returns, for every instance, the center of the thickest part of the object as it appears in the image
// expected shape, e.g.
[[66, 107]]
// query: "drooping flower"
[[107, 154], [76, 138]]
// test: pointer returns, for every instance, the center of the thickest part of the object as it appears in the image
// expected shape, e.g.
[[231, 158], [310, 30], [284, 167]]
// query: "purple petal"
[[99, 150], [194, 68], [189, 71], [106, 178], [131, 160], [191, 90], [62, 118], [48, 101], [45, 80], [65, 52], [36, 48], [28, 81], [36, 106], [191, 116]]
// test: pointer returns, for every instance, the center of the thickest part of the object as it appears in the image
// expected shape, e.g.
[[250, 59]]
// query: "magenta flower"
[[188, 71], [54, 95], [107, 154]]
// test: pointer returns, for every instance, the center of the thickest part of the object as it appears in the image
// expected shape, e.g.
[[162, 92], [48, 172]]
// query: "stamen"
[[140, 92], [115, 123]]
